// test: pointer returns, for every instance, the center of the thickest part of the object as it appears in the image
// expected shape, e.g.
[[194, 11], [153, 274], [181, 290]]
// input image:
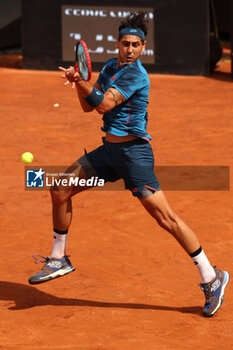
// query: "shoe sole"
[[221, 297], [53, 275]]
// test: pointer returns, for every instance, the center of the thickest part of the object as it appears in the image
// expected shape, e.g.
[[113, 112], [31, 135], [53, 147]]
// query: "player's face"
[[130, 48]]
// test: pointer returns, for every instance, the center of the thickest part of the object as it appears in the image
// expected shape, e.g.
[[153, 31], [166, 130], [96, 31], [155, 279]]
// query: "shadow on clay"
[[26, 297]]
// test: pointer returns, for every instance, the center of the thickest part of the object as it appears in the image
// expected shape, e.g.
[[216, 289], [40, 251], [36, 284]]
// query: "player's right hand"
[[71, 75]]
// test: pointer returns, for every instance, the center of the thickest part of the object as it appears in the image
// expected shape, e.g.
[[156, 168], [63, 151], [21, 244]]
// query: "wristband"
[[95, 98]]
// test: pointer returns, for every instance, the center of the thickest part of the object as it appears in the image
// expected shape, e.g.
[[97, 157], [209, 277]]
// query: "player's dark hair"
[[135, 20]]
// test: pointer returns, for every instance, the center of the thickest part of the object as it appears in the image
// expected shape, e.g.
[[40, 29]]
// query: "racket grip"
[[76, 67]]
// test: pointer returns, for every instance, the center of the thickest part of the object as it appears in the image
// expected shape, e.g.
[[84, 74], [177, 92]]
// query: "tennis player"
[[121, 96]]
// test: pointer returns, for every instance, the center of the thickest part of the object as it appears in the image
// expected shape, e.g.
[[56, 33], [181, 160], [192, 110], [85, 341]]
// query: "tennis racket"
[[82, 60]]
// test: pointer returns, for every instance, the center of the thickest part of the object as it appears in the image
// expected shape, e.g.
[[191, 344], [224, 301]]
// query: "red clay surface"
[[134, 287]]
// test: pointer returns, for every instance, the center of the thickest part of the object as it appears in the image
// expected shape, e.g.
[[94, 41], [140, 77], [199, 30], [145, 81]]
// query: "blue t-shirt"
[[130, 117]]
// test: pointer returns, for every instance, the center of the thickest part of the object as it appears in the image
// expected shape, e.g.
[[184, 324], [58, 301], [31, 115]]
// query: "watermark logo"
[[35, 178], [47, 177], [170, 178]]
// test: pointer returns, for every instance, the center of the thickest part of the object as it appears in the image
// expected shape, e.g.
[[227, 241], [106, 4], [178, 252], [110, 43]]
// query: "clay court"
[[134, 288]]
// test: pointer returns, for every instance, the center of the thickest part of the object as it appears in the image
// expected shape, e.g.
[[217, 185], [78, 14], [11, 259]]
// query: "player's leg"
[[158, 207], [213, 281], [58, 263], [61, 198], [90, 165], [62, 209], [140, 178]]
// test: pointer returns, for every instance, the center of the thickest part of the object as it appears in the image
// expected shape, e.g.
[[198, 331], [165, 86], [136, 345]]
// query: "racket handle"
[[76, 67]]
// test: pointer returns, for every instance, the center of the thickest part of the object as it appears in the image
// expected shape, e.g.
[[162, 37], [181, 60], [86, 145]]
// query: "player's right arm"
[[89, 95], [83, 88], [85, 106], [111, 99]]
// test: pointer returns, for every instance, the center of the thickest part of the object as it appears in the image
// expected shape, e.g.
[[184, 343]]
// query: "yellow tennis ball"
[[27, 157]]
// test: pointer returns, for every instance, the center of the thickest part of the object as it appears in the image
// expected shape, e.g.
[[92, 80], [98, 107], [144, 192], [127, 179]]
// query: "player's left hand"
[[71, 75]]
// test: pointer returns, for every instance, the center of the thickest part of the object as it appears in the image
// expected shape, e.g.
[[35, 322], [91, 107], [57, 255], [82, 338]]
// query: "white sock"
[[59, 245], [204, 267]]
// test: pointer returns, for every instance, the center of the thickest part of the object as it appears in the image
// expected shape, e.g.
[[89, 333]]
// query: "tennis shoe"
[[52, 268], [214, 292]]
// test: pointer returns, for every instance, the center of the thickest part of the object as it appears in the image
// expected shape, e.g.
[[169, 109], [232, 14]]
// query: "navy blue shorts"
[[132, 161]]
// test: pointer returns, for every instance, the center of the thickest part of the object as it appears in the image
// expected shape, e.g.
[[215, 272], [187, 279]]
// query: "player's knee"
[[168, 221], [58, 196], [174, 225]]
